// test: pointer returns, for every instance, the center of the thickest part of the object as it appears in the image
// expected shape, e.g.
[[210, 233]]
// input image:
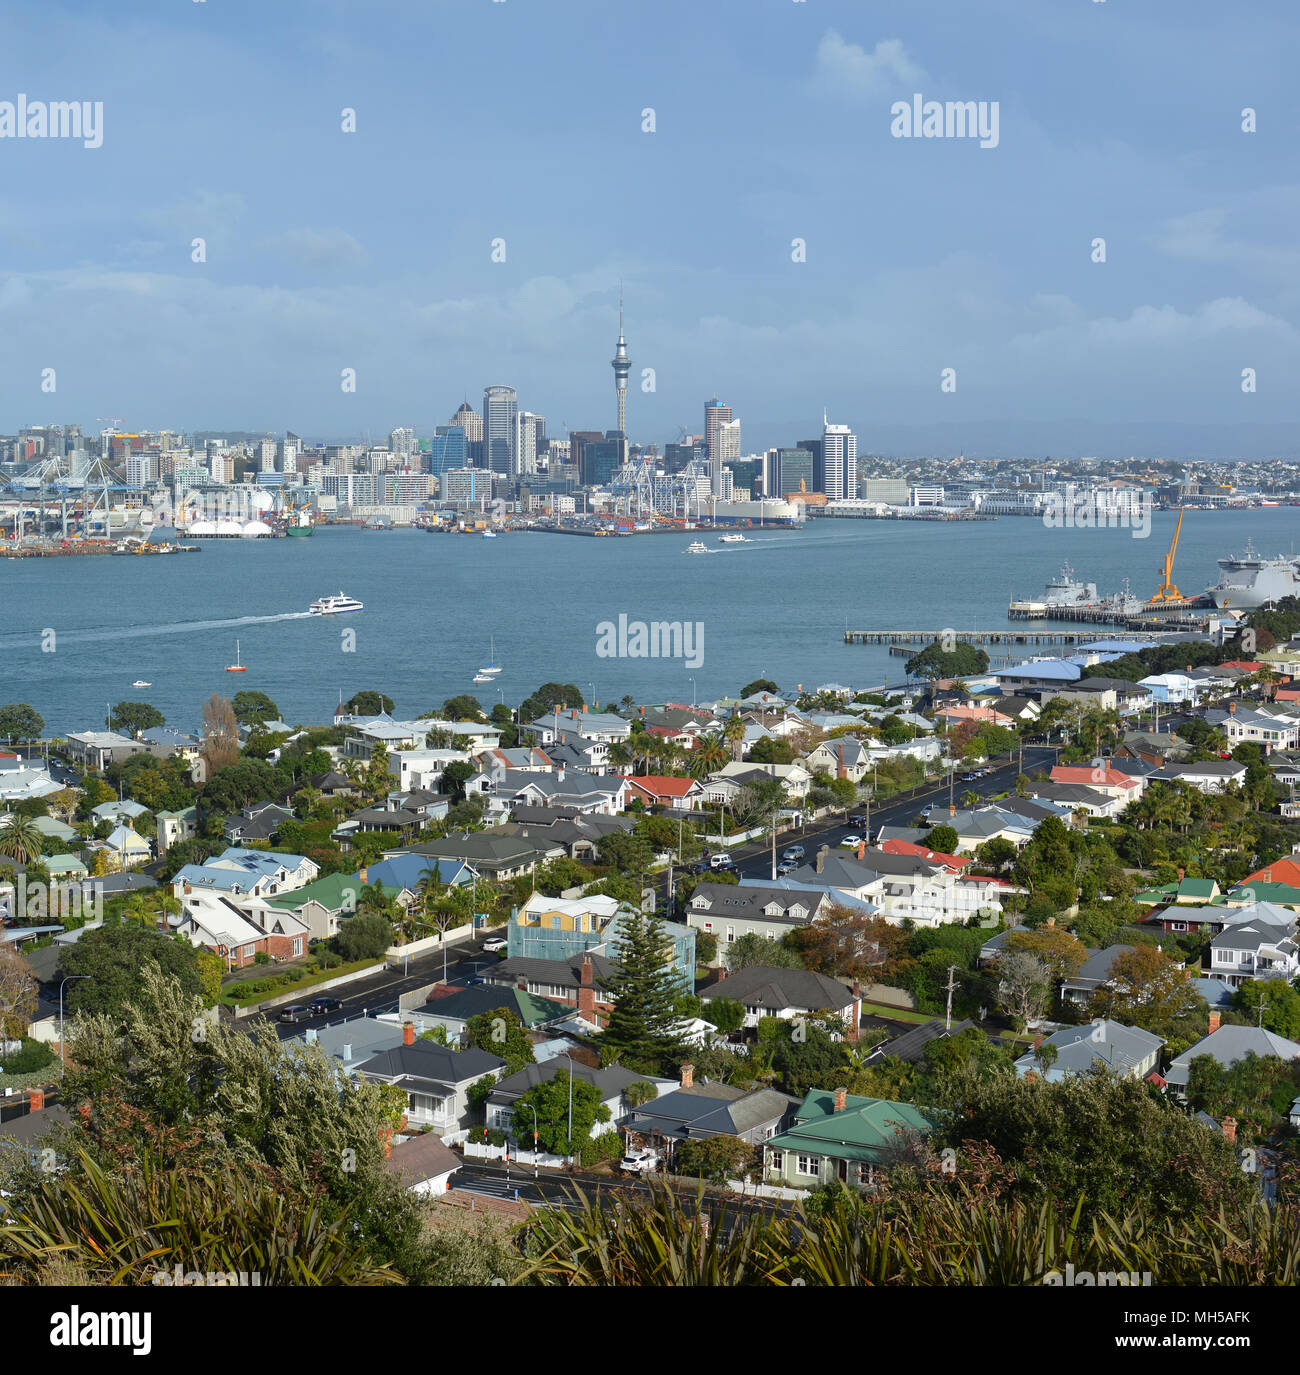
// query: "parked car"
[[299, 1012], [319, 1005], [495, 944], [786, 866], [793, 852], [852, 840], [928, 810], [699, 868], [639, 1162], [970, 777], [722, 862]]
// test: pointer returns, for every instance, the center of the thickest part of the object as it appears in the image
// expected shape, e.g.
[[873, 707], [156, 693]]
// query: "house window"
[[1178, 926], [297, 946], [248, 952], [807, 1165], [776, 1160]]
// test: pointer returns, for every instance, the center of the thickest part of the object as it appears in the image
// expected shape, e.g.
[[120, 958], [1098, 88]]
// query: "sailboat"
[[493, 668], [236, 667]]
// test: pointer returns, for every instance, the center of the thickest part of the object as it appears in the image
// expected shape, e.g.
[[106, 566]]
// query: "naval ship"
[[1250, 580]]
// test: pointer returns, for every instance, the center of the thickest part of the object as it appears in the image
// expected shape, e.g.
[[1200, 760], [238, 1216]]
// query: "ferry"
[[334, 606], [733, 539], [696, 547]]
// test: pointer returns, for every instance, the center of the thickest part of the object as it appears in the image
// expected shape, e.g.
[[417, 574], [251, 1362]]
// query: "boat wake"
[[137, 632]]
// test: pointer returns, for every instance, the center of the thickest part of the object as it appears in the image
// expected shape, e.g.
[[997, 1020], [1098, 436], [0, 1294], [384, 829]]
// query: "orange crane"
[[1168, 589]]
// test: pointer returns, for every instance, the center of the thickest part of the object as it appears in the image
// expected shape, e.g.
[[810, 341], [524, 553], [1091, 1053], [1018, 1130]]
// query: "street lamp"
[[592, 686], [62, 1055], [535, 1146], [569, 1058], [692, 691]]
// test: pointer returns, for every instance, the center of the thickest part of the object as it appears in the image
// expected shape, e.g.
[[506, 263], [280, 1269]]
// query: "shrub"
[[606, 1146], [261, 958], [33, 1056]]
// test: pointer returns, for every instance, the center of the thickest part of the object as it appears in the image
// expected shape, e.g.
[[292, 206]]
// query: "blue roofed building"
[[407, 871]]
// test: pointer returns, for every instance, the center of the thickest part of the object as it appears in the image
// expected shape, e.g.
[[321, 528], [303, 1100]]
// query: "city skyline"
[[735, 282]]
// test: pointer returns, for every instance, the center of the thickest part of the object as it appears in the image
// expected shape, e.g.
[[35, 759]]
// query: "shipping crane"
[[1168, 589]]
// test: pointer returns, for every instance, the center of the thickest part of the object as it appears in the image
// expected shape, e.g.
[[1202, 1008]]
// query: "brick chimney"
[[361, 874], [841, 1099], [688, 1075], [1182, 874], [1038, 1040], [952, 809], [587, 988], [573, 713], [584, 708], [1232, 708], [862, 849], [1216, 1021], [36, 1099], [408, 1033], [1229, 1127], [643, 711], [841, 771], [821, 857]]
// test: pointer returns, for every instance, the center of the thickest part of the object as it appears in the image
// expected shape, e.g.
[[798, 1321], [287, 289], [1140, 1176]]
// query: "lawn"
[[896, 1014], [228, 995]]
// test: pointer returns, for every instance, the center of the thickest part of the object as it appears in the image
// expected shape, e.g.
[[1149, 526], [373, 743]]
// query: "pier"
[[905, 643]]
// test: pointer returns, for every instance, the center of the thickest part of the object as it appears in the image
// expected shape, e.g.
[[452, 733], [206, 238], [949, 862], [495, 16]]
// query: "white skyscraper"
[[839, 460]]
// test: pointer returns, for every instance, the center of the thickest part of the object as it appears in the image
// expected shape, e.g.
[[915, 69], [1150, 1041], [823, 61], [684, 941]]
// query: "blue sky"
[[522, 120]]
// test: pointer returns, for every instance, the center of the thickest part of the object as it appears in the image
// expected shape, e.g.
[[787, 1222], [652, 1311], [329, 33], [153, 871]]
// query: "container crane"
[[1168, 589]]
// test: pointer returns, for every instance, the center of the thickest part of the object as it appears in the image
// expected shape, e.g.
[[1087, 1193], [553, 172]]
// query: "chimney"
[[841, 771], [1182, 873], [1038, 1040], [862, 849], [587, 974], [722, 971], [841, 1099], [573, 714], [408, 1033], [952, 809], [1232, 708], [36, 1099], [1229, 1127], [821, 857], [584, 708], [857, 989], [688, 1075], [1216, 1021], [643, 711], [347, 1051], [361, 874]]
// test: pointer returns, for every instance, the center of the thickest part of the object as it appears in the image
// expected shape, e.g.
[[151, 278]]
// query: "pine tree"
[[642, 1027]]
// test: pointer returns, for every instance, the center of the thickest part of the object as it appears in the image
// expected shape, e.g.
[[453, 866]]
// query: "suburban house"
[[436, 1080], [1125, 1051], [451, 1007], [260, 873], [1228, 1044], [568, 723], [258, 822], [564, 787], [911, 1045], [322, 904], [729, 911], [173, 827], [491, 854], [579, 981], [840, 1136], [1193, 891], [612, 1083], [795, 778], [1209, 776], [1104, 778], [166, 743], [97, 749], [693, 1112], [578, 832], [843, 757], [1258, 949], [1095, 972], [786, 993], [685, 793], [238, 934], [118, 813], [123, 846], [424, 1165]]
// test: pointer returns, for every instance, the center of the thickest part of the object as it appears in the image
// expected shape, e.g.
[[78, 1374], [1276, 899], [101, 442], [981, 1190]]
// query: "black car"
[[699, 869], [856, 820], [320, 1005], [299, 1012]]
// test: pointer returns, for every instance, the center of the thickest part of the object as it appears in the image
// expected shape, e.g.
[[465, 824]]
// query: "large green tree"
[[751, 948], [107, 961], [500, 1032], [551, 1099], [641, 1032], [962, 661], [20, 722], [133, 717], [369, 702], [254, 708]]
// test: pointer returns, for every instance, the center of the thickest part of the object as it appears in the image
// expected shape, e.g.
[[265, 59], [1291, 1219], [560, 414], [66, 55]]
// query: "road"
[[755, 861]]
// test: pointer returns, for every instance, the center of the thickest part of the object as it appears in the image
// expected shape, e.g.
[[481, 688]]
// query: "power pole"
[[947, 1022]]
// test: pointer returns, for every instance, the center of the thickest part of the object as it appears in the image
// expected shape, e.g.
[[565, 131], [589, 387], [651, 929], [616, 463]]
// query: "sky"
[[523, 120]]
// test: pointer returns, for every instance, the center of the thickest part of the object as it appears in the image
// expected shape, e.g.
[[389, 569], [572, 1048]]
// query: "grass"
[[301, 985], [896, 1014]]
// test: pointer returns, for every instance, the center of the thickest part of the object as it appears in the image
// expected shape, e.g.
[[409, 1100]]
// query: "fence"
[[484, 1151], [427, 943]]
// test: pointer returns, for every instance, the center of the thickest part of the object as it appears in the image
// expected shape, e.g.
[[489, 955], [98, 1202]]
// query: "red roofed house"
[[1280, 871], [974, 714], [1103, 777], [956, 863], [674, 737], [1243, 665], [669, 792]]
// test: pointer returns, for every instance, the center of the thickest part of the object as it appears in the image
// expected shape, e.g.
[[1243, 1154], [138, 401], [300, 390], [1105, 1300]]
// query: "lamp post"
[[692, 690], [592, 686], [62, 1055], [569, 1058], [535, 1146]]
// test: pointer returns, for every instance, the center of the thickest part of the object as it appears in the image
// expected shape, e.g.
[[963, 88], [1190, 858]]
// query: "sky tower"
[[621, 364]]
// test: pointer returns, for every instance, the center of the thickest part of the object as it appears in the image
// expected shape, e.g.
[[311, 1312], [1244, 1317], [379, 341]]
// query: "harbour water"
[[776, 606]]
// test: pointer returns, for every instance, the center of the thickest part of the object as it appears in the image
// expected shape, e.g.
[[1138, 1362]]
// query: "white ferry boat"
[[697, 547], [334, 606], [732, 539]]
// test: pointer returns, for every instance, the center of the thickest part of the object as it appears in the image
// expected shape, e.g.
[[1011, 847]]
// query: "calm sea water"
[[776, 607]]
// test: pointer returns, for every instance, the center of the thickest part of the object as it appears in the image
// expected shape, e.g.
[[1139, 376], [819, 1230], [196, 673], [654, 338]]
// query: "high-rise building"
[[716, 416], [621, 364], [266, 456], [501, 430], [466, 486], [602, 458], [402, 441], [839, 462], [729, 440], [793, 467], [470, 421], [578, 441], [528, 445], [449, 449]]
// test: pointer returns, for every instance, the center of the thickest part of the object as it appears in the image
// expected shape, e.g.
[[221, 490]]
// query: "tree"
[[1149, 989], [759, 685], [716, 1158], [551, 1099], [107, 962], [131, 718], [1280, 1001], [706, 948], [368, 702], [726, 1014], [454, 777], [21, 839], [254, 708], [220, 732], [500, 1032], [807, 1058], [1061, 952], [462, 708], [364, 936], [1025, 982], [767, 749], [753, 949], [19, 722], [547, 698], [17, 994], [962, 661], [846, 941], [943, 839], [642, 1026], [625, 851]]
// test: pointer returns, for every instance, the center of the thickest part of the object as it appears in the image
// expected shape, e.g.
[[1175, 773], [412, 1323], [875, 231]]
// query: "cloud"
[[851, 70], [317, 248]]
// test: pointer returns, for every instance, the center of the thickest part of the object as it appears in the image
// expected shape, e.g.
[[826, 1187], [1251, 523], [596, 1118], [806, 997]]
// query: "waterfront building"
[[501, 430], [448, 449], [839, 462], [466, 486]]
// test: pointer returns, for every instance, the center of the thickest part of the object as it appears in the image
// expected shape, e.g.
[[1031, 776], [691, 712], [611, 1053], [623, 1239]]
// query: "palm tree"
[[970, 798], [620, 755], [708, 757], [734, 734], [21, 839]]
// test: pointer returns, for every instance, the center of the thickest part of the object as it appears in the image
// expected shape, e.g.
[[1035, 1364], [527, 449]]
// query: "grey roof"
[[910, 1046], [711, 1110], [367, 1037], [1230, 1044], [1079, 1048], [429, 1061], [566, 972], [761, 985], [1097, 967], [481, 847], [609, 1081], [1251, 935], [1112, 684], [748, 902]]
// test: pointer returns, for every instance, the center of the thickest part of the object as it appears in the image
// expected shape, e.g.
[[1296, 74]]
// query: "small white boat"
[[697, 548], [733, 539], [482, 678], [139, 682], [493, 668], [334, 606], [489, 534]]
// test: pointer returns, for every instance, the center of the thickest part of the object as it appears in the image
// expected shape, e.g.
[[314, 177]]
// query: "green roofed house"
[[452, 1007], [839, 1136], [1191, 890], [320, 904], [66, 866], [1246, 894]]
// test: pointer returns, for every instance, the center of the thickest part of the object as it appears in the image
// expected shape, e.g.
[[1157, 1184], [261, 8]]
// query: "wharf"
[[904, 643]]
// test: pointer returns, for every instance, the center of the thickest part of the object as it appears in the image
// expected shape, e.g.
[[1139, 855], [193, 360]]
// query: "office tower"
[[839, 461], [793, 467], [449, 450], [402, 441], [470, 421], [466, 486], [500, 430], [289, 454], [729, 440], [602, 458], [621, 364], [578, 441], [266, 456], [814, 448], [716, 415], [528, 445]]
